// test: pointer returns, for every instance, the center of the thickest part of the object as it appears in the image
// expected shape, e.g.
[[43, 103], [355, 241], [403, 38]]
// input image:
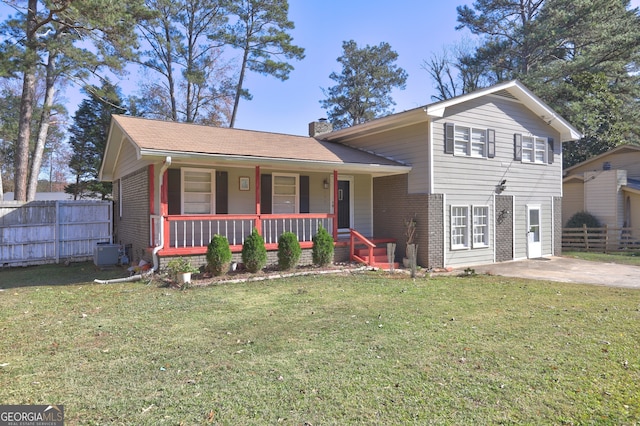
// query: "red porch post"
[[164, 208], [335, 205], [258, 207]]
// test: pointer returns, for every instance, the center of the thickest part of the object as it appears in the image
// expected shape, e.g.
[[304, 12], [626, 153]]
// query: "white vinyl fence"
[[41, 232]]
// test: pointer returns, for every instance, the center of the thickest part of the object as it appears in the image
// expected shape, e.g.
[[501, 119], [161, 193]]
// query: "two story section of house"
[[486, 176]]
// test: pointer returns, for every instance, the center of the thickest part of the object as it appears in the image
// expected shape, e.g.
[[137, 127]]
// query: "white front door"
[[534, 240]]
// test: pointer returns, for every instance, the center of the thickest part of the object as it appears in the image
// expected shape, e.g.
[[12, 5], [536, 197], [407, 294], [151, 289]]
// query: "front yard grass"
[[346, 349]]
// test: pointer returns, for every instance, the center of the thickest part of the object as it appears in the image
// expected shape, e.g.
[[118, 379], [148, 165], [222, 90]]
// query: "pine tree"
[[260, 33], [363, 89], [82, 36], [88, 139], [579, 56]]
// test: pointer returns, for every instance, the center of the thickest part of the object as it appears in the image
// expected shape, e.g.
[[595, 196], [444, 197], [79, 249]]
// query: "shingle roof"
[[170, 136]]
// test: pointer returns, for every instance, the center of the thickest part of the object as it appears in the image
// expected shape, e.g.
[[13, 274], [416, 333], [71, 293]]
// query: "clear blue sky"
[[413, 28]]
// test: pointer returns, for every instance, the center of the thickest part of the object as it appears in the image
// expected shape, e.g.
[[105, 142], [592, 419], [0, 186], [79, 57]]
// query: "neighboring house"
[[481, 173], [607, 186]]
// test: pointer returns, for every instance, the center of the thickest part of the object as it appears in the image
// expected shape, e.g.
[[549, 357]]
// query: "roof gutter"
[[156, 249], [280, 162]]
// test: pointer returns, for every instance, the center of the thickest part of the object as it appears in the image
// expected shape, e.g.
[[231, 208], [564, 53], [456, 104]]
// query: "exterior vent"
[[505, 94], [606, 165]]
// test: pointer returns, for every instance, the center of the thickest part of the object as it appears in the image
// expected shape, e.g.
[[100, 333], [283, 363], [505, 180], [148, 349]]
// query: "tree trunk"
[[26, 106], [43, 130], [245, 59]]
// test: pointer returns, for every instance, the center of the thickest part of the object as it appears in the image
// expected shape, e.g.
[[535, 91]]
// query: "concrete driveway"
[[565, 269]]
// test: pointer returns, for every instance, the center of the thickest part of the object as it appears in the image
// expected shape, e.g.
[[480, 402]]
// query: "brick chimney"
[[320, 127]]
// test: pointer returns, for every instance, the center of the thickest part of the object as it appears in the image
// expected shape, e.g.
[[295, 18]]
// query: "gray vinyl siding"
[[408, 145], [468, 180], [128, 161], [363, 205]]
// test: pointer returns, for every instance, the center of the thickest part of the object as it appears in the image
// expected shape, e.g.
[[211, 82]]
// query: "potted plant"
[[180, 270], [410, 236]]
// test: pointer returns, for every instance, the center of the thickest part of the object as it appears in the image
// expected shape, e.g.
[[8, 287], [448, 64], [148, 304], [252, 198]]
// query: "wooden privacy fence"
[[604, 240], [41, 232]]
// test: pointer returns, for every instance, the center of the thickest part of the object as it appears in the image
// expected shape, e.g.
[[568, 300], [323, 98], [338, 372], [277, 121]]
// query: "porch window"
[[197, 191], [480, 226], [459, 227], [285, 195]]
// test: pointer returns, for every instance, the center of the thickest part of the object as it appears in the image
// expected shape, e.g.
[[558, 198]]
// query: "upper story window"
[[534, 149], [469, 141]]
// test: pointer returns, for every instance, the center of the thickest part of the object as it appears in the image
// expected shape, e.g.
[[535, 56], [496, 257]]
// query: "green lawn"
[[627, 258], [344, 349]]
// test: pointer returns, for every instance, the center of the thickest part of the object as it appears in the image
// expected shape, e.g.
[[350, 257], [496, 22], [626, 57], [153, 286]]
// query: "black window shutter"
[[304, 194], [265, 194], [173, 188], [517, 147], [448, 138], [550, 150], [222, 193], [491, 143]]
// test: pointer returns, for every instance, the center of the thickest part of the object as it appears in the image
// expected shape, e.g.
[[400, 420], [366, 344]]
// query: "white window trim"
[[297, 195], [485, 243], [534, 159], [212, 174], [466, 245], [469, 144]]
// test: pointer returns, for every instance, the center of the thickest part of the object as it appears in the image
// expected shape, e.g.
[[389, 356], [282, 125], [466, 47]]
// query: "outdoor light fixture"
[[325, 183], [501, 187]]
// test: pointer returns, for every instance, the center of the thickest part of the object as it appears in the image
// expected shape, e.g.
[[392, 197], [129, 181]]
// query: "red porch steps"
[[379, 260]]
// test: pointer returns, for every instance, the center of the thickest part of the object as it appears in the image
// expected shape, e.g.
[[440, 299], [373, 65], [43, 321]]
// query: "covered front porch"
[[300, 203]]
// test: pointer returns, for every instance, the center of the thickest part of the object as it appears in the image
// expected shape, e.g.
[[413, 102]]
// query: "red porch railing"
[[366, 250], [357, 238], [190, 234]]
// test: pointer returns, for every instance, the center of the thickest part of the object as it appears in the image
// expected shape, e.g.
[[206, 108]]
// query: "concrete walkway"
[[569, 270]]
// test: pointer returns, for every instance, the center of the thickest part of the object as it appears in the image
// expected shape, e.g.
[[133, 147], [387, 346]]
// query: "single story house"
[[481, 174]]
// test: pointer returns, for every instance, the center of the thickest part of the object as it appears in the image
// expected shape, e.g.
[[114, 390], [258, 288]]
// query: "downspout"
[[156, 249]]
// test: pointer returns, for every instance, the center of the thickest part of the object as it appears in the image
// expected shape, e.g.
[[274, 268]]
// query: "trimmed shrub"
[[254, 253], [218, 255], [583, 218], [289, 251], [322, 251]]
